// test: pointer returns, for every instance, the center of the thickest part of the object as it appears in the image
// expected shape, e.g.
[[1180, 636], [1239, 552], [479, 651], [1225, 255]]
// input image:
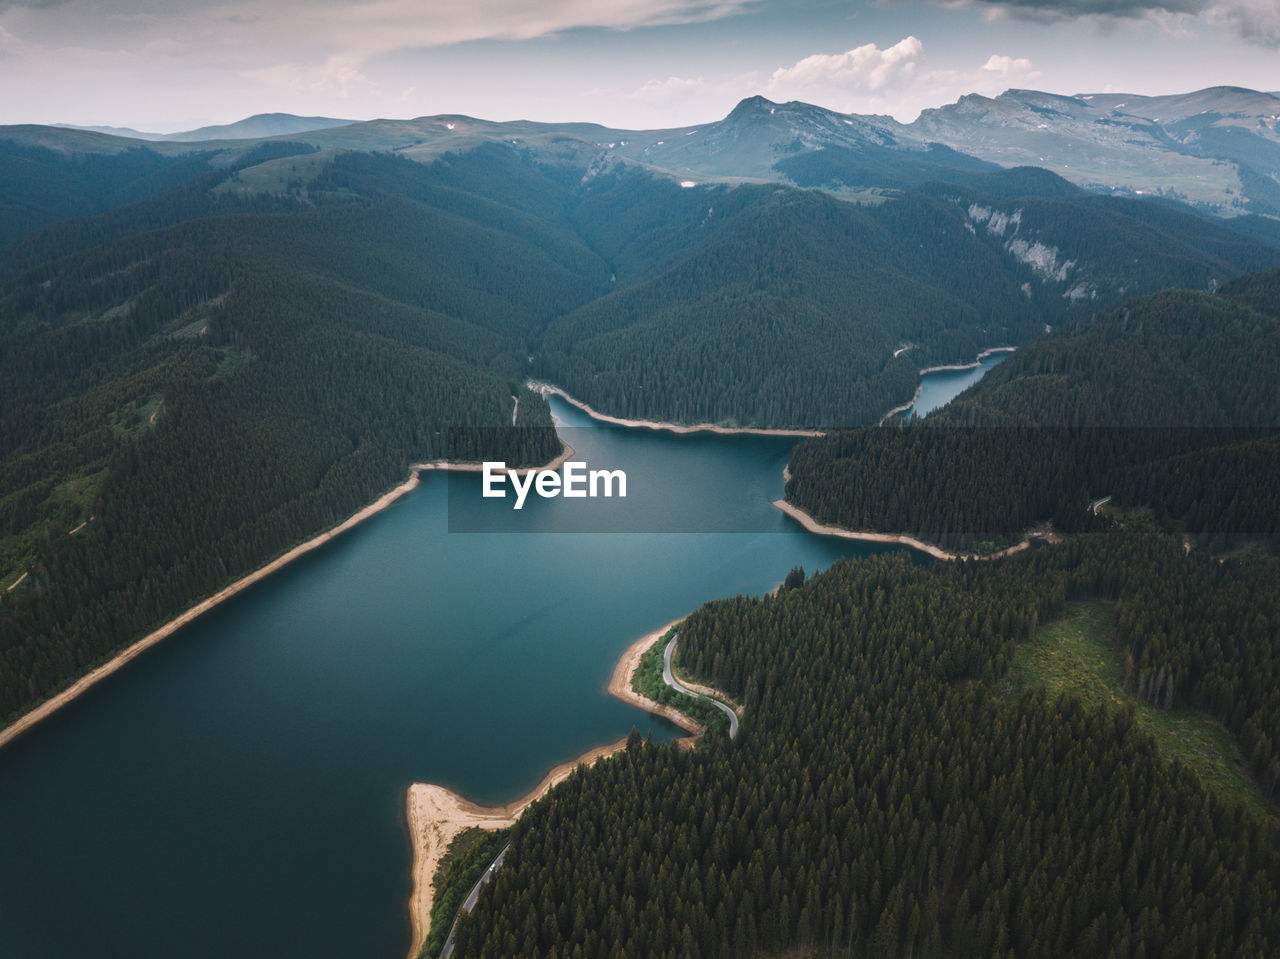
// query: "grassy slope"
[[1074, 655]]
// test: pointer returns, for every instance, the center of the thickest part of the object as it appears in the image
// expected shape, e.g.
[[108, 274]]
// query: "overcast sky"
[[166, 65]]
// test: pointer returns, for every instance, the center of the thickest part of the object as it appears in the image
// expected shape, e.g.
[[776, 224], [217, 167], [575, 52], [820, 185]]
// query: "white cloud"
[[866, 67], [339, 76], [896, 80], [668, 90], [1008, 66]]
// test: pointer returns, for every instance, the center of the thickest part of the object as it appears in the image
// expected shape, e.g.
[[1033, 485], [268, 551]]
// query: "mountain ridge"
[[1217, 149], [250, 128]]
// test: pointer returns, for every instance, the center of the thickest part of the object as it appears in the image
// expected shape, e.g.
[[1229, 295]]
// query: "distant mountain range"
[[1216, 149], [251, 128]]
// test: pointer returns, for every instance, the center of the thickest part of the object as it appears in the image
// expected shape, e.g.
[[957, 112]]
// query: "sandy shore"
[[546, 389], [53, 704], [813, 526], [620, 683], [437, 815]]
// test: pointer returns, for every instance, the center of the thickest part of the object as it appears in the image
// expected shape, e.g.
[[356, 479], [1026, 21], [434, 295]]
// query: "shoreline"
[[904, 407], [937, 552], [943, 369], [85, 682], [969, 366], [547, 389], [567, 452], [131, 652], [436, 814], [623, 673], [550, 389]]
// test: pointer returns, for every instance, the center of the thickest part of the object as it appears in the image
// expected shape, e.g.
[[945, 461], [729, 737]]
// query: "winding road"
[[669, 678]]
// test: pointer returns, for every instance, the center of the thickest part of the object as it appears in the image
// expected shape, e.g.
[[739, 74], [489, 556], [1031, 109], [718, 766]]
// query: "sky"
[[169, 65]]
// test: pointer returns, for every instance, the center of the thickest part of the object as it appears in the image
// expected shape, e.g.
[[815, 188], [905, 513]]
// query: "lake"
[[939, 388], [239, 790]]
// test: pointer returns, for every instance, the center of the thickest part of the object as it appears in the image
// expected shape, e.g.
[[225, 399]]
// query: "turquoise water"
[[239, 790], [940, 388]]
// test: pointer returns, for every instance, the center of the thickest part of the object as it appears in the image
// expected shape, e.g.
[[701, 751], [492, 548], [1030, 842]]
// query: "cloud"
[[358, 27], [1008, 66], [309, 49], [668, 90], [339, 76], [866, 67], [1048, 10], [1256, 21], [895, 80]]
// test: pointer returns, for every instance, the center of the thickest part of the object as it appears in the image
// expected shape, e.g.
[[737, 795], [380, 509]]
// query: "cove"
[[239, 790], [940, 387]]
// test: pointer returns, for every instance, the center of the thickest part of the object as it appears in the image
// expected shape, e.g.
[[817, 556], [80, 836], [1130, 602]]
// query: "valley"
[[949, 444]]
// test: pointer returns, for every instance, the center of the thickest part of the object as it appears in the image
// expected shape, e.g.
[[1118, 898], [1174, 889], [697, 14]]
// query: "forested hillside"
[[789, 312], [249, 343], [42, 186], [1168, 403], [883, 798], [184, 402]]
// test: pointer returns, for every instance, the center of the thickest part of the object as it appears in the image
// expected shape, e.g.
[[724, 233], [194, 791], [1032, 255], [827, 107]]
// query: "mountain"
[[1217, 148], [212, 351], [787, 308], [217, 349], [256, 127], [760, 138], [127, 132], [260, 367], [1166, 405]]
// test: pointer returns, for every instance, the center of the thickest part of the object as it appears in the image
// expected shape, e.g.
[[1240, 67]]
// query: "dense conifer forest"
[[793, 310], [1167, 404], [882, 798], [185, 401], [207, 359], [885, 798]]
